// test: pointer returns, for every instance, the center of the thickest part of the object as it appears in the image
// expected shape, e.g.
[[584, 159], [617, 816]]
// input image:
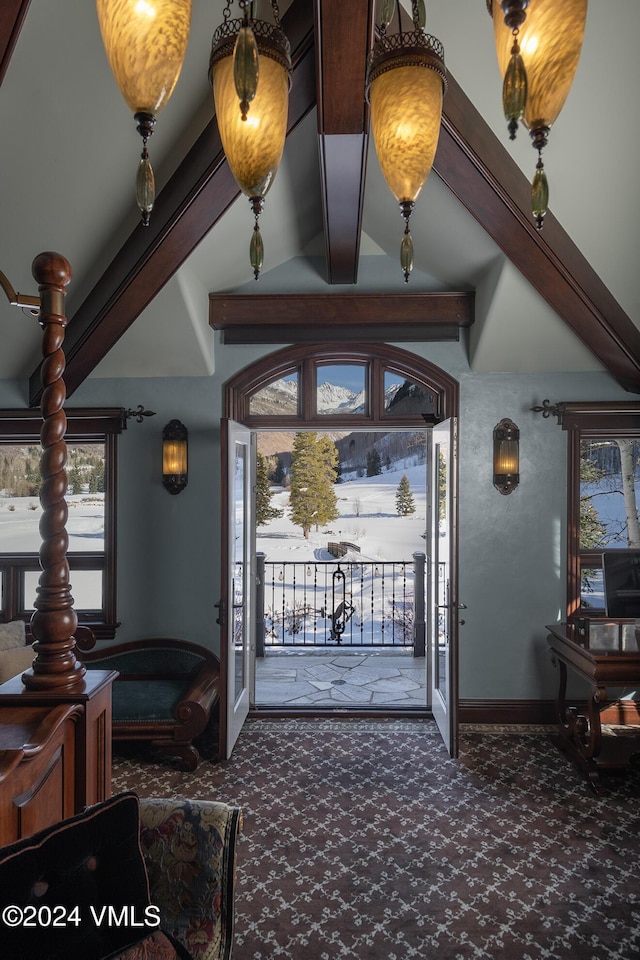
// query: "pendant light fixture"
[[538, 44], [145, 42], [406, 81], [250, 72]]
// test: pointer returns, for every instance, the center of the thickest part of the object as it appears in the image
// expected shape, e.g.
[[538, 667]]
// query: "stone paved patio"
[[360, 677]]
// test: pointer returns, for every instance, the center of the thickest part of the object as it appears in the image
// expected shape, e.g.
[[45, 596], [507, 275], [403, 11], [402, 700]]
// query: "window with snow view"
[[341, 389], [278, 399], [90, 524], [609, 493]]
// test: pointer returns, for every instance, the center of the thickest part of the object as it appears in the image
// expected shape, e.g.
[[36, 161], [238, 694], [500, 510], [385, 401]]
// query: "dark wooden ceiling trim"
[[192, 202], [344, 35], [282, 318], [478, 170], [12, 14], [343, 333]]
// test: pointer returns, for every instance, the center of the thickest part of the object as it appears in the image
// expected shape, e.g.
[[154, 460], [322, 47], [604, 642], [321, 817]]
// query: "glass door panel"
[[443, 583], [238, 581]]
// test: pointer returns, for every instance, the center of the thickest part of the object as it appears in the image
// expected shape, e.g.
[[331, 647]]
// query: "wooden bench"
[[165, 693]]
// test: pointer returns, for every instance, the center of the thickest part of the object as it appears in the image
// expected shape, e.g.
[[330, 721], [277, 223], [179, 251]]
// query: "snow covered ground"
[[368, 518], [299, 599], [20, 518]]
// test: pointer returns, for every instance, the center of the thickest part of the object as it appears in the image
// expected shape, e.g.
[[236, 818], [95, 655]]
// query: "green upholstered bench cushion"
[[146, 700]]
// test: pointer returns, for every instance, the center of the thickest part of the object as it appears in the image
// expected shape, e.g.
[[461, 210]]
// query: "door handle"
[[221, 619]]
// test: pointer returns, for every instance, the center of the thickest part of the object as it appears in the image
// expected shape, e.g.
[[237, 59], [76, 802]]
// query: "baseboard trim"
[[507, 711]]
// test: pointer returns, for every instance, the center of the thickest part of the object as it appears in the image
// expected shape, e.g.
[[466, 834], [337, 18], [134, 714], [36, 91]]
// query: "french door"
[[237, 607], [238, 614], [443, 582]]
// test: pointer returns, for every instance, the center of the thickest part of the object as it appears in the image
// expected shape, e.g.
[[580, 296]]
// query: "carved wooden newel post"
[[67, 710], [54, 622]]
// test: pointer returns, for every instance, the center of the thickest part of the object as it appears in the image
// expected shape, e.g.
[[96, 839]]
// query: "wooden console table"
[[606, 656], [91, 769], [37, 768]]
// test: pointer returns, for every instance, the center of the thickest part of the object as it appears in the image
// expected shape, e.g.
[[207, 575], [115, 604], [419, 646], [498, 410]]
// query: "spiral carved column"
[[54, 622]]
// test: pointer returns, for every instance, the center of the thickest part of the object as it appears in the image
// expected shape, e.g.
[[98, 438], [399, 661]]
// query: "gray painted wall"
[[512, 548]]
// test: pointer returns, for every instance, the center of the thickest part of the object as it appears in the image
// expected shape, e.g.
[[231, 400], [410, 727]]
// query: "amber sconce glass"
[[175, 438], [506, 456]]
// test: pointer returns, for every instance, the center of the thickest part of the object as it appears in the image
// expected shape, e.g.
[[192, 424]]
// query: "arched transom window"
[[325, 386]]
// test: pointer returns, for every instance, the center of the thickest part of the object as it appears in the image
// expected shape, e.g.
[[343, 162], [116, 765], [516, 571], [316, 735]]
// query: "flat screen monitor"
[[621, 574]]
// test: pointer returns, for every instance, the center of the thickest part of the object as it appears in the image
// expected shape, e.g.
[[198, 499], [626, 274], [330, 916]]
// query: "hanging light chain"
[[419, 14]]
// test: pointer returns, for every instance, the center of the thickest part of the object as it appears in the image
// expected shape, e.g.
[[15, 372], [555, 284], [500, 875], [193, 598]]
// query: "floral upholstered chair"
[[189, 850]]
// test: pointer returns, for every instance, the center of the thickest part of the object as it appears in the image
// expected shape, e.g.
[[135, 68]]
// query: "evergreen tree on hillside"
[[314, 465], [277, 474], [75, 479], [264, 511], [405, 504], [373, 463]]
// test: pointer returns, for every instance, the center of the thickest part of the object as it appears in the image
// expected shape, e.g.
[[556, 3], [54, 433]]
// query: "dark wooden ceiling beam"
[[192, 202], [477, 168], [344, 34], [281, 318], [12, 14]]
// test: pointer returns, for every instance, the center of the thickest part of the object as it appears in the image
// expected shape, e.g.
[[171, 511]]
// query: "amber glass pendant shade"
[[253, 147], [406, 81], [406, 109], [537, 79], [145, 42], [550, 41], [250, 72]]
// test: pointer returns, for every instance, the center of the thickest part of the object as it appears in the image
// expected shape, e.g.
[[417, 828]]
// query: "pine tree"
[[76, 483], [277, 475], [264, 511], [405, 504], [373, 463], [313, 473]]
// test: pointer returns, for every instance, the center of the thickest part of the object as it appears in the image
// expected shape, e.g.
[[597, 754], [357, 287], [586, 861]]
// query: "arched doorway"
[[352, 390]]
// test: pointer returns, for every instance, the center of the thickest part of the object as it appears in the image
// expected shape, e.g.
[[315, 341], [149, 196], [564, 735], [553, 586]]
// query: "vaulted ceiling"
[[561, 299]]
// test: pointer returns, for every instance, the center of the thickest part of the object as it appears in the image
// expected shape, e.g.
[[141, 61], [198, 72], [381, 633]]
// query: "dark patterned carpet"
[[363, 839]]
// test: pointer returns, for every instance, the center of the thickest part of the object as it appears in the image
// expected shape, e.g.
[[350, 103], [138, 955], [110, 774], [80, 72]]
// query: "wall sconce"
[[174, 456], [506, 456]]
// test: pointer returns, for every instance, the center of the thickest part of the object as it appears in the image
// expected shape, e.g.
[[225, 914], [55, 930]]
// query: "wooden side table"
[[37, 767], [93, 727], [607, 657]]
